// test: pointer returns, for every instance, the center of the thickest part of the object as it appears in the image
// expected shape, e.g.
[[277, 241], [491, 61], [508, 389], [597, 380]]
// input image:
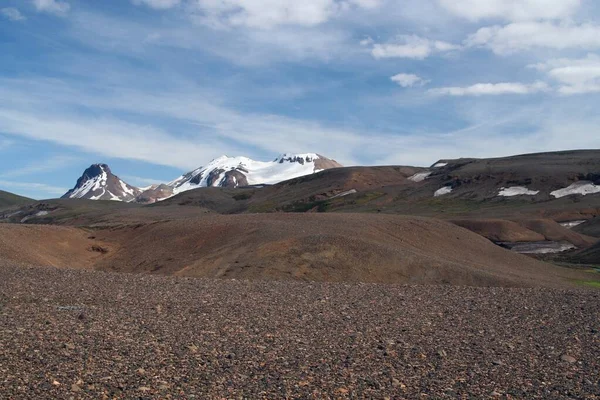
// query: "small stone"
[[144, 389], [497, 362], [56, 383], [568, 358], [442, 353], [141, 371], [495, 394], [75, 388], [397, 383]]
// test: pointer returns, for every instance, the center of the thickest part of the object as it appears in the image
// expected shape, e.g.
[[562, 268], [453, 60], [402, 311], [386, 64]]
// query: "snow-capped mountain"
[[232, 172], [99, 183]]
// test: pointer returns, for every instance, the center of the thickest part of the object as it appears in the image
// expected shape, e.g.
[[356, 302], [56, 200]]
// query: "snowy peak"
[[99, 183], [234, 172]]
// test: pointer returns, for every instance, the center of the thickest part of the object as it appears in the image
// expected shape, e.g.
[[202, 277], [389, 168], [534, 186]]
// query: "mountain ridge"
[[99, 183]]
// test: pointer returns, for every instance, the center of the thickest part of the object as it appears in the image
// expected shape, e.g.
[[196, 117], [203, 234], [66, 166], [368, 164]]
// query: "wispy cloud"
[[56, 7], [31, 188], [45, 165], [408, 80], [523, 36], [12, 14], [410, 46], [576, 76], [158, 4], [527, 10], [492, 89]]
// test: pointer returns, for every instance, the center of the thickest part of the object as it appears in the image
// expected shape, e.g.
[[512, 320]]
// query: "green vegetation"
[[368, 197], [265, 207], [300, 206], [594, 284], [242, 196], [9, 199]]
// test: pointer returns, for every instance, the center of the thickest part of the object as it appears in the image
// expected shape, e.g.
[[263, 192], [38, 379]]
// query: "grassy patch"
[[242, 196], [300, 207], [265, 207], [594, 284], [368, 197]]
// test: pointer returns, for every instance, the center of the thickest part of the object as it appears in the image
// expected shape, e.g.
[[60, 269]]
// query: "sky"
[[156, 88]]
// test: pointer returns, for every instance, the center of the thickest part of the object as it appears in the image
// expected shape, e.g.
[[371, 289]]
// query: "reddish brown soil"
[[528, 230], [50, 245], [311, 247]]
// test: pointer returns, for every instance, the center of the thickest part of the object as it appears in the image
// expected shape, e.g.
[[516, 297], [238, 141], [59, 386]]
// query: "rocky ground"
[[79, 334]]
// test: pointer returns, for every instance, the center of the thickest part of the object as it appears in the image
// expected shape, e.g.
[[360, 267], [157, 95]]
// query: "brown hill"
[[498, 230], [49, 246], [315, 247], [8, 199]]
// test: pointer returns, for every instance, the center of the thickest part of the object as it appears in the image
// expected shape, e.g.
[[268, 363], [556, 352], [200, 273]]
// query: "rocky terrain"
[[79, 334]]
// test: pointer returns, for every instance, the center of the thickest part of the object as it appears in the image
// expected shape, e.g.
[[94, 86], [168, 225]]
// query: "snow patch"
[[572, 224], [442, 191], [440, 165], [346, 193], [547, 247], [517, 191], [420, 176], [582, 187]]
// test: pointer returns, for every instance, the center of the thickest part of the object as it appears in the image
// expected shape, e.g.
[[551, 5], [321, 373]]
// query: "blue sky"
[[155, 88]]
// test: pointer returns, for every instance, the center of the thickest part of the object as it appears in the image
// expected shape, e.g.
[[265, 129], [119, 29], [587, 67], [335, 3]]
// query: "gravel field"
[[67, 334]]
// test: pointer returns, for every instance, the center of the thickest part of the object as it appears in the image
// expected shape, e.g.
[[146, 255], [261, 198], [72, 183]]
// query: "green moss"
[[368, 197], [594, 284], [262, 207], [242, 196]]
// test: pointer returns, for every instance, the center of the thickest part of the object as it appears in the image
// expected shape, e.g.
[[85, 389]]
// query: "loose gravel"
[[67, 334]]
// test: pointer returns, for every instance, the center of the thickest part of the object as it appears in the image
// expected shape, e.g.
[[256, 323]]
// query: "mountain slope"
[[232, 172], [99, 183], [8, 199]]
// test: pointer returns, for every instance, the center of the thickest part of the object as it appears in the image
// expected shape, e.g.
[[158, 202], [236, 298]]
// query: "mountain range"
[[99, 183]]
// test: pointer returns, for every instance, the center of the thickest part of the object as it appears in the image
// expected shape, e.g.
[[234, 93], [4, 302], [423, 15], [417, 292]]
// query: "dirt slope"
[[314, 247], [534, 230], [49, 246]]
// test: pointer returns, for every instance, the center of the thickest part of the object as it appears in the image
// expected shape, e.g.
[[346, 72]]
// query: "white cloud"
[[266, 14], [492, 89], [411, 46], [56, 7], [577, 76], [512, 10], [408, 80], [522, 36], [12, 14], [217, 130]]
